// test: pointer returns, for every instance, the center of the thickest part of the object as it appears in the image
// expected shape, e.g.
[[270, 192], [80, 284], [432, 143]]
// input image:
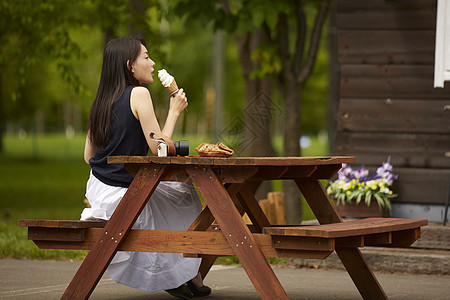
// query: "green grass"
[[45, 177]]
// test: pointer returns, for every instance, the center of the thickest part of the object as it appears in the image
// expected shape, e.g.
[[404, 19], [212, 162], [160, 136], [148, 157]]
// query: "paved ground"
[[29, 279]]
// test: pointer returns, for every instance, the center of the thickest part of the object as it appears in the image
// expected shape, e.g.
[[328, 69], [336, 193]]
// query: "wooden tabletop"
[[229, 161]]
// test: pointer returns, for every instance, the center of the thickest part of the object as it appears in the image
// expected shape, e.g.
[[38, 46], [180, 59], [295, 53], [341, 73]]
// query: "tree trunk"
[[291, 147], [257, 125], [218, 66], [137, 27], [257, 112]]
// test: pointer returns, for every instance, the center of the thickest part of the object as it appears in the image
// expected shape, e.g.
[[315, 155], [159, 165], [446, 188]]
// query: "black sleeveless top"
[[126, 138]]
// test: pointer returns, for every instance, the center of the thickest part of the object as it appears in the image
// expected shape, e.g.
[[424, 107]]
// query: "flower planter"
[[361, 210], [356, 185]]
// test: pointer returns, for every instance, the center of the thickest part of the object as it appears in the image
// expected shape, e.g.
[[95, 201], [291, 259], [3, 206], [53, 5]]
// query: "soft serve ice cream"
[[166, 78], [168, 82]]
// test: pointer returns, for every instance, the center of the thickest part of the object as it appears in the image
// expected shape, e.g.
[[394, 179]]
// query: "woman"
[[120, 122]]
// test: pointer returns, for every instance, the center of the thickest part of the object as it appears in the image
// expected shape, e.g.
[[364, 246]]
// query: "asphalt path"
[[39, 279]]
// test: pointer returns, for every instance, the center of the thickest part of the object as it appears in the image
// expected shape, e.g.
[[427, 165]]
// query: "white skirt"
[[172, 206]]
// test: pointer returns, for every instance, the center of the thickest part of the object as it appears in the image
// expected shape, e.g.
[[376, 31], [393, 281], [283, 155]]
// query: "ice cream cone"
[[172, 88], [168, 82]]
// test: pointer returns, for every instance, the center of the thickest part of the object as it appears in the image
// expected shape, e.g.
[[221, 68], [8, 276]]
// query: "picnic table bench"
[[227, 186]]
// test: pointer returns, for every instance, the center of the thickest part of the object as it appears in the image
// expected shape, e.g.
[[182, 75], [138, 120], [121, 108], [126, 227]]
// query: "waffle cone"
[[172, 88]]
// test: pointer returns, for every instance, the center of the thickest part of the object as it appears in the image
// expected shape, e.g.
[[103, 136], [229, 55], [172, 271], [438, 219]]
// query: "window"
[[442, 51]]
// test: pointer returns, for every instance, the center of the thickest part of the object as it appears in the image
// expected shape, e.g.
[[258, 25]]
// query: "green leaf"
[[381, 202], [235, 6], [368, 198], [272, 20], [341, 198], [358, 199], [257, 18]]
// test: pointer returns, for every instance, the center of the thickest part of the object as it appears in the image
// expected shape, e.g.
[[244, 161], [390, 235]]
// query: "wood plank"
[[382, 14], [237, 234], [216, 227], [232, 161], [194, 242], [414, 47], [176, 172], [352, 241], [406, 150], [56, 234], [390, 81], [295, 172], [378, 239], [405, 238], [62, 223], [325, 172], [272, 172], [283, 253], [302, 243], [307, 254], [232, 174], [346, 229], [120, 223], [394, 116]]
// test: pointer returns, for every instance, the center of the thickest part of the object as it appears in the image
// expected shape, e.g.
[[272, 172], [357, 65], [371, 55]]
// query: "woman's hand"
[[178, 102]]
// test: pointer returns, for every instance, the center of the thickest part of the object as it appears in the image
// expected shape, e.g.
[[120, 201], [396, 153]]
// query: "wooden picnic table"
[[227, 186]]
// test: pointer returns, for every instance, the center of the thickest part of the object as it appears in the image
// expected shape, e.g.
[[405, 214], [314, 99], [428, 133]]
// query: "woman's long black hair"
[[115, 77]]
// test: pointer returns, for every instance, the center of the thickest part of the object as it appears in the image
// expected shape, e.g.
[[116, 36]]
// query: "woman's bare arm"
[[88, 149], [142, 108]]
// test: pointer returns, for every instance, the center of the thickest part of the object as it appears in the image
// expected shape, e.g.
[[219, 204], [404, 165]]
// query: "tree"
[[34, 35], [297, 66], [284, 47]]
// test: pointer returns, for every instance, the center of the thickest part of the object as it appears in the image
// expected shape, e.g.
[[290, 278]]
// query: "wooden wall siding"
[[386, 47], [388, 105], [422, 185], [386, 14], [406, 150], [395, 115], [390, 81]]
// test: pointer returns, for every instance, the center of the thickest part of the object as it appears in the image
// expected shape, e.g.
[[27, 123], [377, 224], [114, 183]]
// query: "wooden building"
[[387, 104]]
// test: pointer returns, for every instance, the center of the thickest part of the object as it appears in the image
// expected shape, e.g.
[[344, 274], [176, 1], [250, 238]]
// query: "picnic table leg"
[[202, 223], [234, 190], [352, 259], [246, 195], [116, 229], [237, 233]]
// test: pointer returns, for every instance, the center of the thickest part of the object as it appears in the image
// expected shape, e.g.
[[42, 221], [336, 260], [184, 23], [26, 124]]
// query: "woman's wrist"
[[173, 113]]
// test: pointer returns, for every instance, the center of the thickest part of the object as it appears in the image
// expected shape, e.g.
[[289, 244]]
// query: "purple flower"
[[385, 167], [385, 172], [361, 174], [344, 172]]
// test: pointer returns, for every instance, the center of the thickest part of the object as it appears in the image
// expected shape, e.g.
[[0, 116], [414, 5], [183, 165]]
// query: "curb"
[[390, 260]]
